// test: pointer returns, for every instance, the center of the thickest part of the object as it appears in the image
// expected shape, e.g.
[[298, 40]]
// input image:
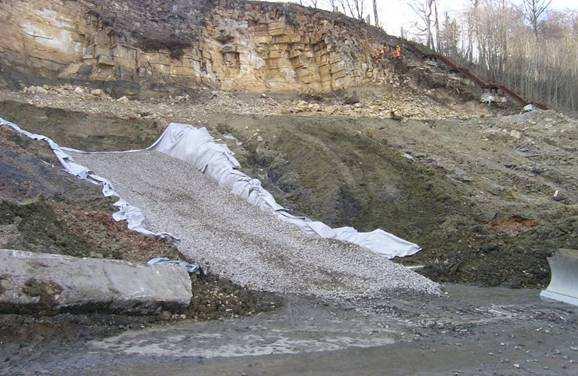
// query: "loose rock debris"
[[234, 239]]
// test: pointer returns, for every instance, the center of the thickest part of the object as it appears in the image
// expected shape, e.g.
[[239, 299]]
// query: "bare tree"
[[346, 8], [355, 8], [499, 43], [375, 14], [533, 11], [498, 40], [449, 38], [427, 13], [471, 21], [334, 5], [359, 6], [436, 23]]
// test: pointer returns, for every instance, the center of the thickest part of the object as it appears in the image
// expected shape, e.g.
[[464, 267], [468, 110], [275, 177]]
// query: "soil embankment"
[[476, 194], [487, 199]]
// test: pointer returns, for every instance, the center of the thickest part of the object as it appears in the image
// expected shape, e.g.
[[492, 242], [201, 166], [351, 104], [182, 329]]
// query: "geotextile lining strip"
[[197, 147]]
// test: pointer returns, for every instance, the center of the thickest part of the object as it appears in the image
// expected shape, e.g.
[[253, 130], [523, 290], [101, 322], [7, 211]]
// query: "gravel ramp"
[[236, 240]]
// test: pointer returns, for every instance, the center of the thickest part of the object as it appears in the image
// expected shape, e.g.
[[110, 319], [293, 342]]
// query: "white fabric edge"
[[197, 147], [125, 212]]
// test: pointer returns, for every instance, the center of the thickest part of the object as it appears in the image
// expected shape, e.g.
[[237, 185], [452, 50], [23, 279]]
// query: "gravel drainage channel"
[[236, 240]]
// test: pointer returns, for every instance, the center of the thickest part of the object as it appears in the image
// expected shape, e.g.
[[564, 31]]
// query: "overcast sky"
[[396, 13]]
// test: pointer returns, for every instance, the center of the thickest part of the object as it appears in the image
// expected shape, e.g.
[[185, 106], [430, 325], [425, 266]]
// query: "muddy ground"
[[470, 331], [478, 194]]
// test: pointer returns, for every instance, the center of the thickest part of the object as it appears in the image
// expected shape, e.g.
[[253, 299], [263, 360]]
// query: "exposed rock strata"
[[250, 46]]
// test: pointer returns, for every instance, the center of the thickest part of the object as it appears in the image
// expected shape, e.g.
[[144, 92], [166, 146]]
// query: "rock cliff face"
[[231, 45]]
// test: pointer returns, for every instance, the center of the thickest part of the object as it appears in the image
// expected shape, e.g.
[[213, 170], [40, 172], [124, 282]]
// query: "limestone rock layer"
[[230, 45]]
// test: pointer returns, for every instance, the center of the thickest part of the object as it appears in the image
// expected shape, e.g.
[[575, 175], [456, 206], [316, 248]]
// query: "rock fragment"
[[41, 282], [97, 92]]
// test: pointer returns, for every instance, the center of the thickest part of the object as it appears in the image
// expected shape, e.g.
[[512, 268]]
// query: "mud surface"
[[469, 331]]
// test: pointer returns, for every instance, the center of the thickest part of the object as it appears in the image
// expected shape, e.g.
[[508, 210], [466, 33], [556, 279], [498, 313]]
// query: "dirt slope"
[[476, 194]]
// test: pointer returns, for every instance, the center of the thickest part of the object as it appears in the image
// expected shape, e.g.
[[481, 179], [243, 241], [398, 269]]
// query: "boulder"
[[40, 282], [97, 92]]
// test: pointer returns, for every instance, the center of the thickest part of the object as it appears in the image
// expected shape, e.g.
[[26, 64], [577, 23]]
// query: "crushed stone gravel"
[[236, 240]]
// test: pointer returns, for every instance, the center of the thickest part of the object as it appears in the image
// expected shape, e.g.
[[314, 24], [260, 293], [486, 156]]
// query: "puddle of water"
[[208, 345]]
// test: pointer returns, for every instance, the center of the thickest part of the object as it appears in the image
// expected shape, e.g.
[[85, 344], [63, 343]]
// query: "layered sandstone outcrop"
[[231, 45]]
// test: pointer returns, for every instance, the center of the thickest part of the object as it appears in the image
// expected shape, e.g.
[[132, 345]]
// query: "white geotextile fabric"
[[126, 212], [197, 147]]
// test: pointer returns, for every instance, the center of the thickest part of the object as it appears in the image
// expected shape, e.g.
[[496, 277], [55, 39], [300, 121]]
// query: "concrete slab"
[[33, 282]]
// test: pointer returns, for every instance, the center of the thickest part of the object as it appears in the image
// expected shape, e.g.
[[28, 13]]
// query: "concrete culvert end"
[[563, 285]]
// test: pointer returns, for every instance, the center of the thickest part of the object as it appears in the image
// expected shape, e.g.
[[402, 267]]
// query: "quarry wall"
[[236, 46]]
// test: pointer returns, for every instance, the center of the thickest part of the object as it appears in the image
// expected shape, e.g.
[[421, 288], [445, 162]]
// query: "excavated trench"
[[355, 172], [340, 170]]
